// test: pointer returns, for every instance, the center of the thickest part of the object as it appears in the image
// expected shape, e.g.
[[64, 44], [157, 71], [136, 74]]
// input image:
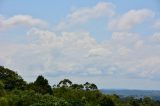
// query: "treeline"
[[14, 91]]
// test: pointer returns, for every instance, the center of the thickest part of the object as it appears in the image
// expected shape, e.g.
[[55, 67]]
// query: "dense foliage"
[[14, 91]]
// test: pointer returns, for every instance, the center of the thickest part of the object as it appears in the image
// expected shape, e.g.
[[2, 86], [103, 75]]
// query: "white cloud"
[[150, 65], [82, 15], [157, 24], [125, 54], [156, 36], [99, 51], [44, 37], [123, 51], [130, 19], [20, 20], [93, 71], [127, 38], [121, 36]]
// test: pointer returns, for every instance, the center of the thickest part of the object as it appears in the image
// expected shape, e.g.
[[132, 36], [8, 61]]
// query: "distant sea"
[[154, 94]]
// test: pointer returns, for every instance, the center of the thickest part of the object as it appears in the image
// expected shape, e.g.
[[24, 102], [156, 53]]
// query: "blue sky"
[[108, 42]]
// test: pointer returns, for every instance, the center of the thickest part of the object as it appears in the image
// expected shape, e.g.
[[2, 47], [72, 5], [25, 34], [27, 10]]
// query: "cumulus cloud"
[[156, 36], [123, 36], [130, 19], [124, 54], [20, 20], [99, 51], [82, 15], [151, 67], [51, 53], [157, 24]]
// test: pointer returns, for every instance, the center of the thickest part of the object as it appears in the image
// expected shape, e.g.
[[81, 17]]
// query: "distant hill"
[[154, 94]]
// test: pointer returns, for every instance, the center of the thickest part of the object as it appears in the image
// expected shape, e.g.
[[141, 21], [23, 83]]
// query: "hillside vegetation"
[[14, 91]]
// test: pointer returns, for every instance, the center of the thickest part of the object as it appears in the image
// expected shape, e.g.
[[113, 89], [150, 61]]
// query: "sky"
[[112, 43]]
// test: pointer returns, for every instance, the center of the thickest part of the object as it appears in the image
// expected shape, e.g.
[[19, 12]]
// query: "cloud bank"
[[124, 54]]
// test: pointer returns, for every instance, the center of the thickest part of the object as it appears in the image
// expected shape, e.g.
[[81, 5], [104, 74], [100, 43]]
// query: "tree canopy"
[[14, 91], [11, 79]]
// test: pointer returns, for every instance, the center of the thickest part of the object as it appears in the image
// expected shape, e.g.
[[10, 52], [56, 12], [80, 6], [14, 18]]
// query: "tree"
[[41, 85], [93, 87], [147, 101], [87, 86], [77, 86], [3, 101], [106, 101], [65, 83], [90, 86], [2, 91], [11, 79]]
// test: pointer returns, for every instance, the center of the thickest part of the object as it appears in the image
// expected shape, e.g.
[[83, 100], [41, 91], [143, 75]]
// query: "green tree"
[[106, 101], [41, 85], [2, 91], [65, 83], [93, 87], [11, 79], [77, 86], [147, 102], [87, 86], [3, 101], [90, 86]]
